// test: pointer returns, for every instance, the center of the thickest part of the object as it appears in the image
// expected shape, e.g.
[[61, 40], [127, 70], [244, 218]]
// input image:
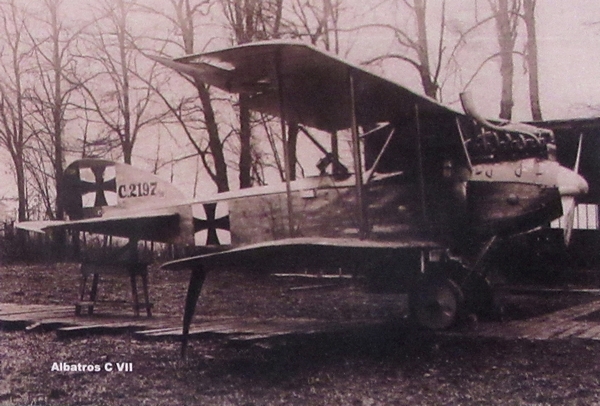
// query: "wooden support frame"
[[132, 270]]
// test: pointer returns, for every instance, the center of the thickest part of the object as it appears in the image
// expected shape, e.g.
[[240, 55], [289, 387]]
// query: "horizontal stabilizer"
[[39, 226], [159, 225], [113, 198]]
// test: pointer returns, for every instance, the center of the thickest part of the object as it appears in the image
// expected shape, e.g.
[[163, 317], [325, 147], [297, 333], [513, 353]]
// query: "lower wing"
[[301, 252]]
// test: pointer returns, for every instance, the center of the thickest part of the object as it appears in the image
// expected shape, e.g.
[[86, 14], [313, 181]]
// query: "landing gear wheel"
[[436, 303]]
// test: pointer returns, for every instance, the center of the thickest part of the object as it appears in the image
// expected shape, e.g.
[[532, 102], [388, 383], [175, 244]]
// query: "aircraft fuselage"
[[496, 198]]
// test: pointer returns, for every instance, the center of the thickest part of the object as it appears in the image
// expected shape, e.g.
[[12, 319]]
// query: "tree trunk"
[[127, 149], [506, 42], [21, 190], [532, 59], [292, 140], [185, 22], [430, 88], [127, 136], [60, 235], [245, 162], [214, 142], [20, 235]]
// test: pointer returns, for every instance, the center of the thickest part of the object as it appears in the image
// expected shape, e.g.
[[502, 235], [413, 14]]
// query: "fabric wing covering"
[[314, 87]]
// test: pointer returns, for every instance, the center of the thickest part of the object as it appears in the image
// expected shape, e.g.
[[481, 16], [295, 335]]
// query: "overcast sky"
[[569, 54]]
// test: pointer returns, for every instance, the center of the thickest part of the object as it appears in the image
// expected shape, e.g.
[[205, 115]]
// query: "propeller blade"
[[578, 158], [568, 204], [569, 197]]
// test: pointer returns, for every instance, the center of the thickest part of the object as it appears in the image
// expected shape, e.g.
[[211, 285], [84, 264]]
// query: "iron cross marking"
[[211, 224], [99, 186]]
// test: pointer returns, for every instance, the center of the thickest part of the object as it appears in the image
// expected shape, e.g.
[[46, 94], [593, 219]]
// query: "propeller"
[[568, 200]]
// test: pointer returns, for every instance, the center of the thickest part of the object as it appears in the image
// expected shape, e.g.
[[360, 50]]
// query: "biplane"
[[427, 192], [417, 203]]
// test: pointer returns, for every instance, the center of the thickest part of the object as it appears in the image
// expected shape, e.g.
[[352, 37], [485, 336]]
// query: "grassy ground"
[[389, 365]]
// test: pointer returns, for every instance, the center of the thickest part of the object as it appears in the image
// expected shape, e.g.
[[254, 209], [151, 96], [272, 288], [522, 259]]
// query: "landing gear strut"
[[447, 292]]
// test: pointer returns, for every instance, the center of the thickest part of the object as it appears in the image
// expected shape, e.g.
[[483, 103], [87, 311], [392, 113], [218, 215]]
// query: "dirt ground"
[[388, 365]]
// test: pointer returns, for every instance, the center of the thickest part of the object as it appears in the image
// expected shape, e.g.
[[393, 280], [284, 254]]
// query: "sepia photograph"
[[299, 202]]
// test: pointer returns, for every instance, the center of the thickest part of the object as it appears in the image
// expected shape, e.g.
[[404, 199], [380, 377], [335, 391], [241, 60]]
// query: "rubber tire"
[[436, 303]]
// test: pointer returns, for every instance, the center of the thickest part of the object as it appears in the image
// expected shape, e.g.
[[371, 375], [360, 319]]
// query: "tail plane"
[[113, 198], [100, 188]]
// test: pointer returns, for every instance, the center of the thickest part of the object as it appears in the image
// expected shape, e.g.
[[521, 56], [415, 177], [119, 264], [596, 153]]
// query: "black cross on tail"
[[84, 181], [211, 224], [99, 187]]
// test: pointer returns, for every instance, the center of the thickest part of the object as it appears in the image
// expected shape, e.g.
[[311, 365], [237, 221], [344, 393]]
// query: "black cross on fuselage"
[[211, 224], [99, 186]]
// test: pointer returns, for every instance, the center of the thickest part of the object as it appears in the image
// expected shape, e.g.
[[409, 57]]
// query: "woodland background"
[[76, 80]]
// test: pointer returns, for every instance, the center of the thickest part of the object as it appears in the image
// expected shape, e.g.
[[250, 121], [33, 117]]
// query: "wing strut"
[[361, 207], [371, 172], [286, 157], [197, 277], [464, 144], [420, 161]]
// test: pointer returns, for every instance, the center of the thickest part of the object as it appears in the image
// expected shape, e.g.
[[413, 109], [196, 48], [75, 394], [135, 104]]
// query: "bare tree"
[[14, 134], [507, 19], [316, 20], [49, 99], [531, 56], [415, 45], [192, 120], [507, 16], [120, 100], [250, 20]]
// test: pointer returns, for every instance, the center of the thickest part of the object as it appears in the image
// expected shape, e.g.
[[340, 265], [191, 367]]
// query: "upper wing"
[[306, 85]]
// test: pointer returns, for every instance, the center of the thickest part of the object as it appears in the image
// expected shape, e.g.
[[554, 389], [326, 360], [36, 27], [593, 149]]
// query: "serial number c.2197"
[[137, 189]]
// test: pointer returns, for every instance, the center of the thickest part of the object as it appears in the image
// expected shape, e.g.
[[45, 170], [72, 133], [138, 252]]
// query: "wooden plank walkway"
[[563, 324], [577, 322], [63, 321]]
